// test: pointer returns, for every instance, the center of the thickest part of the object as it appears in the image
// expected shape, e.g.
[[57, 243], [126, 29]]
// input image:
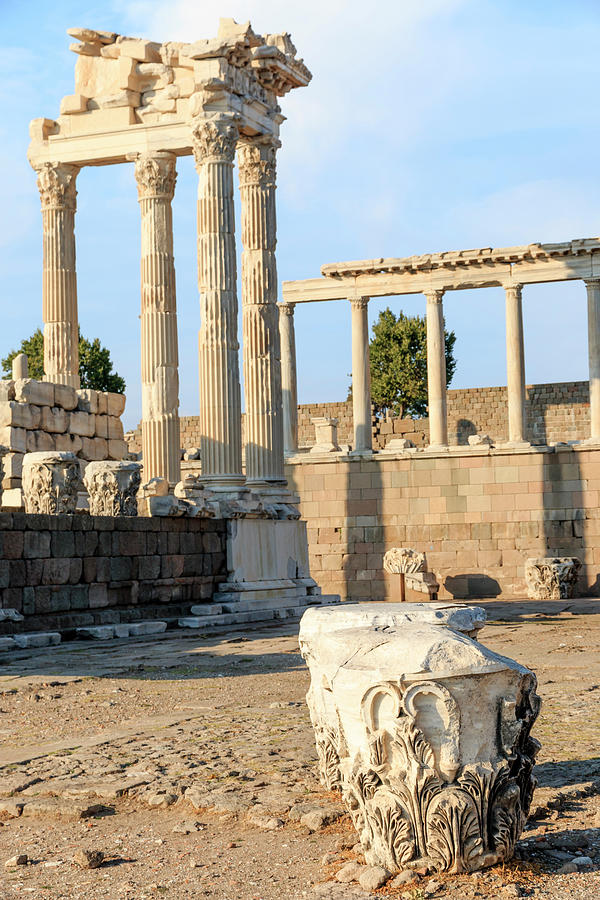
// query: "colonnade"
[[436, 369], [214, 143]]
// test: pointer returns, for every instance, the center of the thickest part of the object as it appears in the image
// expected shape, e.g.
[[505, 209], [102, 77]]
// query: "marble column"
[[436, 370], [155, 175], [593, 297], [289, 386], [214, 142], [56, 184], [260, 316], [361, 376], [515, 364]]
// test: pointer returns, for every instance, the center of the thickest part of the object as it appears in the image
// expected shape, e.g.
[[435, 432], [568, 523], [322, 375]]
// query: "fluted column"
[[289, 387], [593, 296], [214, 142], [361, 376], [260, 316], [515, 364], [155, 175], [56, 184], [436, 370]]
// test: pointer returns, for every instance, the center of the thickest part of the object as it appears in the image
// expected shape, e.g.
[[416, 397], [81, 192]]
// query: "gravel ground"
[[188, 762]]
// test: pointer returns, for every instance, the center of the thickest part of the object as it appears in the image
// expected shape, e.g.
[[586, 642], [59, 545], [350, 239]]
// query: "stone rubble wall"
[[41, 416], [478, 516], [555, 412], [71, 571]]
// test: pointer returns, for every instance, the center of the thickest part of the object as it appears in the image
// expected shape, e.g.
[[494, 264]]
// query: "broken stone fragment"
[[92, 36]]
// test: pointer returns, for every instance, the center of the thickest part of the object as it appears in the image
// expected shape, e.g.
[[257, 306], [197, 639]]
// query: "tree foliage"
[[95, 365], [398, 351]]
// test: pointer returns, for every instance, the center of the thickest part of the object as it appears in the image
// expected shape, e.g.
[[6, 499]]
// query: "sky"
[[428, 126]]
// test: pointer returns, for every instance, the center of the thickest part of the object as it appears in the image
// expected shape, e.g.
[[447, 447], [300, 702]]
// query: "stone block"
[[13, 465], [139, 50], [14, 439], [87, 400], [7, 390], [98, 596], [94, 449], [114, 428], [102, 426], [68, 443], [37, 639], [7, 643], [36, 544], [57, 571], [53, 419], [40, 442], [82, 423], [117, 450], [96, 632], [40, 393], [65, 396], [72, 104], [115, 404], [19, 415]]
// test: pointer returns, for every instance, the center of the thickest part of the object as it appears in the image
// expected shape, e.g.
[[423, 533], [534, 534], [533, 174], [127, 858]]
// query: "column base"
[[361, 453], [437, 448], [513, 445]]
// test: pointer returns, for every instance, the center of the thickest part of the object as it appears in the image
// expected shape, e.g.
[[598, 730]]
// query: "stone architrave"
[[260, 316], [214, 143], [289, 383], [426, 733], [325, 435], [51, 482], [156, 176], [112, 487], [552, 577], [56, 184]]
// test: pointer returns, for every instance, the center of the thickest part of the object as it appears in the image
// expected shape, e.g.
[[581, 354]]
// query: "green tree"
[[95, 364], [398, 351]]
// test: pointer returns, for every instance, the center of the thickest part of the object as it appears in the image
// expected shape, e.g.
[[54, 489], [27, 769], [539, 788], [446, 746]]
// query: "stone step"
[[243, 604], [206, 609], [267, 594], [240, 618], [29, 640], [121, 630]]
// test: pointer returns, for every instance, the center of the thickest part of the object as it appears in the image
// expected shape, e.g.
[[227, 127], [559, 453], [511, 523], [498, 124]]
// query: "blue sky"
[[437, 125]]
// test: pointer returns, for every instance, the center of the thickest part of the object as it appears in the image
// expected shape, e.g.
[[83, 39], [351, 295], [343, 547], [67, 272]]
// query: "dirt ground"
[[189, 762]]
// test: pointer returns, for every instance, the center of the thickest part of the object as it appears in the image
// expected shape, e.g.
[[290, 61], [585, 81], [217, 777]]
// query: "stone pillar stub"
[[593, 302], [156, 175], [56, 184], [289, 384], [436, 371], [515, 365], [214, 143], [261, 342], [361, 376], [20, 367]]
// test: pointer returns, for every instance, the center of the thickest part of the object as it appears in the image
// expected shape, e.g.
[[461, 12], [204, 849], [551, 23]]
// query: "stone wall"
[[65, 572], [38, 415], [478, 515], [555, 412]]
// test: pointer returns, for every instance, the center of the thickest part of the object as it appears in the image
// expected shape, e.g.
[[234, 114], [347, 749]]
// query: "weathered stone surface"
[[325, 435], [420, 727], [50, 482], [552, 578], [403, 560], [113, 487], [40, 393]]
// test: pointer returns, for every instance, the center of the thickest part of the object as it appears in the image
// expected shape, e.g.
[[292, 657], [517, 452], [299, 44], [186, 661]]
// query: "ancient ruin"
[[553, 578], [425, 732]]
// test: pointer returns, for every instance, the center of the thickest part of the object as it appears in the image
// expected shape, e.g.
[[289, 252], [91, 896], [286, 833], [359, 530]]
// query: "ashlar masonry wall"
[[477, 514], [65, 572]]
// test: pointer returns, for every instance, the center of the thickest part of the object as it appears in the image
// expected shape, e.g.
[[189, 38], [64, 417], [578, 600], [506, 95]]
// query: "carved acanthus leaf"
[[56, 184], [214, 139], [155, 176]]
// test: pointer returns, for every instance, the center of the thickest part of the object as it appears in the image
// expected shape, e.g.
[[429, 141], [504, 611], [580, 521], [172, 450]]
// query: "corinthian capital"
[[286, 309], [155, 175], [256, 160], [359, 302], [434, 296], [56, 184], [214, 139]]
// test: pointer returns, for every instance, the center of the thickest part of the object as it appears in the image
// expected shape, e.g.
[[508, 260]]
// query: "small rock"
[[511, 890], [319, 818], [261, 820], [345, 842], [185, 827], [582, 862], [350, 872], [88, 859], [156, 801], [373, 877], [19, 860], [567, 869], [431, 888], [403, 878]]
